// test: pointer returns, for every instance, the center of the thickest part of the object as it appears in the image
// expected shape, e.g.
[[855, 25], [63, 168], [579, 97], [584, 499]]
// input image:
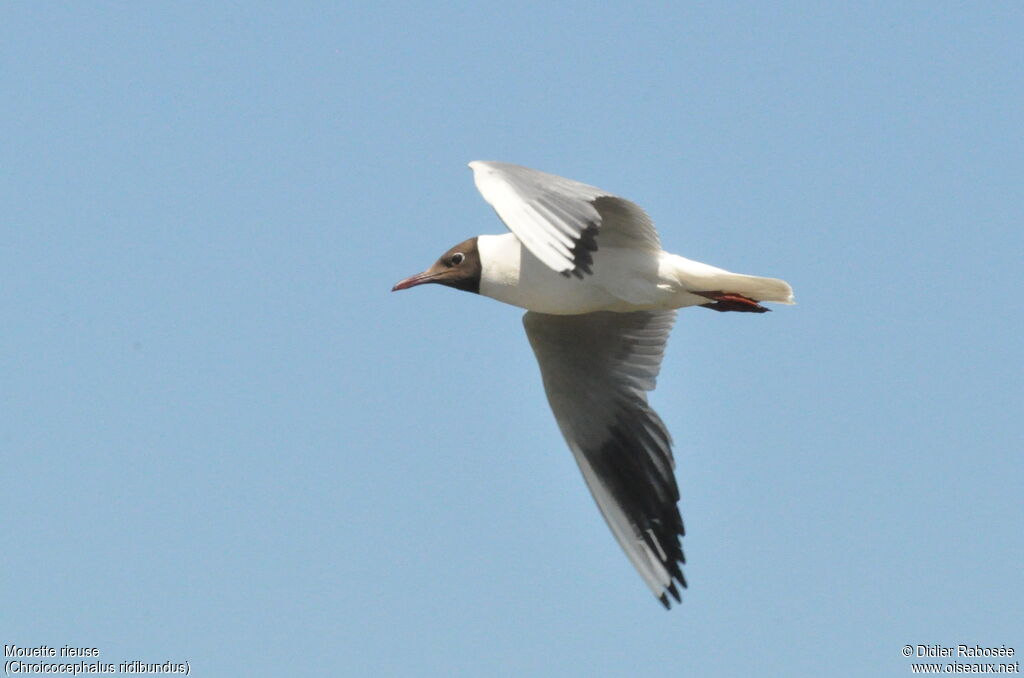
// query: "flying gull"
[[601, 297]]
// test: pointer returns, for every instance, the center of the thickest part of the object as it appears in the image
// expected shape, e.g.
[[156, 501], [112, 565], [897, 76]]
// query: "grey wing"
[[559, 220], [596, 369]]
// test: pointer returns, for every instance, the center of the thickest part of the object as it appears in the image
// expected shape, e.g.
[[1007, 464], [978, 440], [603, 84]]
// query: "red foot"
[[725, 301]]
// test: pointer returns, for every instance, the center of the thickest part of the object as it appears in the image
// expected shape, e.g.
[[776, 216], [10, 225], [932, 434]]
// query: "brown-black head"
[[459, 267]]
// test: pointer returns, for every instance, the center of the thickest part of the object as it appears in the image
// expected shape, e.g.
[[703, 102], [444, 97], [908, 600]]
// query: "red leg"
[[726, 301]]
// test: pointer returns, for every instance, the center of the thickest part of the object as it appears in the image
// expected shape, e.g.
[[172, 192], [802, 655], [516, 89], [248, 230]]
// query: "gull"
[[601, 298]]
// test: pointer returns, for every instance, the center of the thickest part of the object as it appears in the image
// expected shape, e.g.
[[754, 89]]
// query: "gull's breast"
[[622, 280]]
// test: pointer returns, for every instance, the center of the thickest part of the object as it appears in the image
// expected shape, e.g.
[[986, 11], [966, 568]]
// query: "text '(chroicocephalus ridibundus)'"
[[600, 295]]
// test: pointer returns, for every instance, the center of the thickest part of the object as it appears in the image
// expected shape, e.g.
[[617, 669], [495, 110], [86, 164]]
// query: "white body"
[[624, 279], [600, 294]]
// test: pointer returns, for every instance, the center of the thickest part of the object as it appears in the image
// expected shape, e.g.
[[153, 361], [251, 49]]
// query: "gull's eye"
[[458, 258]]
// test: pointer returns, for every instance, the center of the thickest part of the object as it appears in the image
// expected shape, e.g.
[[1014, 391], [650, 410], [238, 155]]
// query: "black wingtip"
[[664, 601], [586, 244]]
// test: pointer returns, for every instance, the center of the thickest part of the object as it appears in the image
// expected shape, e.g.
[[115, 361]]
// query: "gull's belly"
[[549, 292], [622, 280]]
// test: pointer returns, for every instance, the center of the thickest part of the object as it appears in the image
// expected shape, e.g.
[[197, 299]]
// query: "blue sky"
[[225, 441]]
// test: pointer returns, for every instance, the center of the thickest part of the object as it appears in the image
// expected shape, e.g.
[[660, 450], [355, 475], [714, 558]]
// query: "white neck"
[[500, 257]]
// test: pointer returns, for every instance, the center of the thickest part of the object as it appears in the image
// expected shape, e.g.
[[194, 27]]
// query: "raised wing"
[[597, 368], [559, 220]]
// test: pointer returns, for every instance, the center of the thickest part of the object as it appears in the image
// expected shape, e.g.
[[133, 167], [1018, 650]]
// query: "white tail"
[[697, 277]]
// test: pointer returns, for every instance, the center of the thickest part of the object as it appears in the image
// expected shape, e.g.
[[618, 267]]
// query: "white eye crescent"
[[458, 258]]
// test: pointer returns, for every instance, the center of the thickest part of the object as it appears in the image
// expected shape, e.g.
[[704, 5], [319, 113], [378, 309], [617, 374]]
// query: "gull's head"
[[459, 267]]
